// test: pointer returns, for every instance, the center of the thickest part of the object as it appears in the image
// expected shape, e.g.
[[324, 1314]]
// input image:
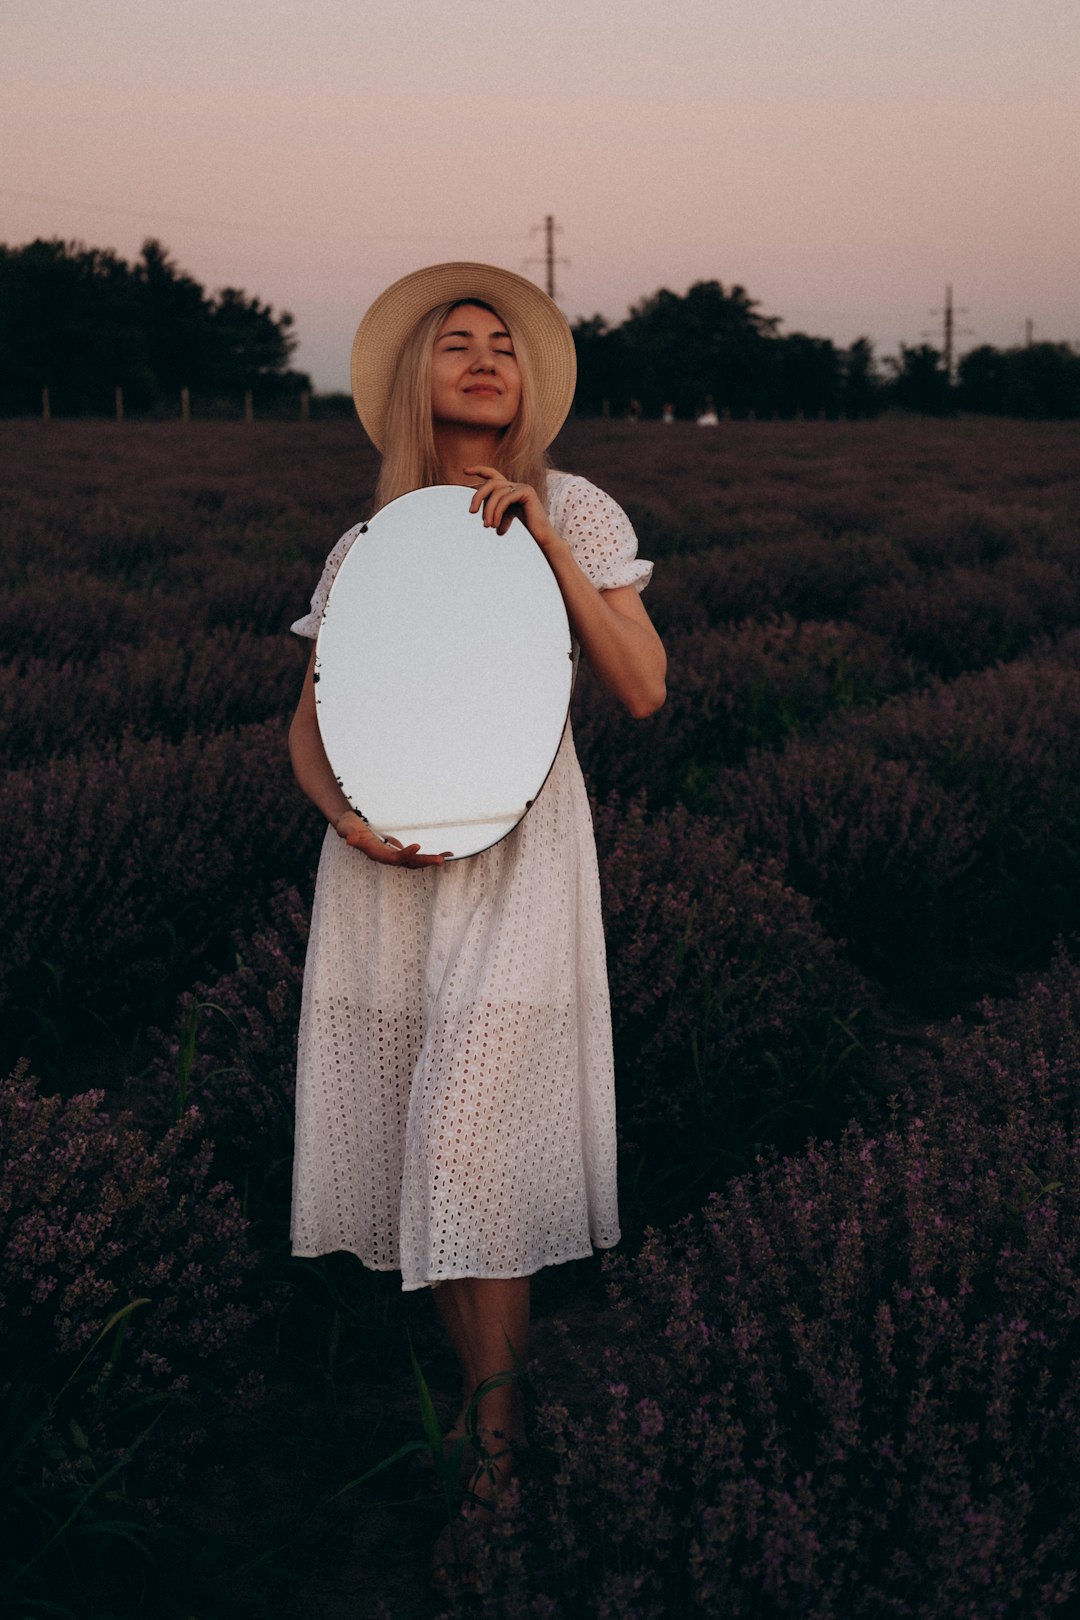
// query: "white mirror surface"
[[443, 671]]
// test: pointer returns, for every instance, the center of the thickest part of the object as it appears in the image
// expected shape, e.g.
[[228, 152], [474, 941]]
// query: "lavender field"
[[834, 1370]]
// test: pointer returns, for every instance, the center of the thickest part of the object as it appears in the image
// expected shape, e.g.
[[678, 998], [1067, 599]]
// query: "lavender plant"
[[124, 1286], [127, 867], [850, 1387], [210, 681], [231, 1054], [736, 1020], [731, 688], [938, 830], [957, 619]]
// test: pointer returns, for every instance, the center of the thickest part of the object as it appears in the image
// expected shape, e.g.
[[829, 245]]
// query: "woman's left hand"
[[502, 501]]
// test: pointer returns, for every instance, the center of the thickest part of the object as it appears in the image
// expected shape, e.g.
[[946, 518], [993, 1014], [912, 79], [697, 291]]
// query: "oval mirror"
[[444, 669]]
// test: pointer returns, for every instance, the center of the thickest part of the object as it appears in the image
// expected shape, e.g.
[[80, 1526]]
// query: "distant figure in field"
[[667, 414], [633, 413], [708, 417]]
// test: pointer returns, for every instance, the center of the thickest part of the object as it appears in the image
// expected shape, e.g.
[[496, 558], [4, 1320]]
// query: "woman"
[[455, 1099]]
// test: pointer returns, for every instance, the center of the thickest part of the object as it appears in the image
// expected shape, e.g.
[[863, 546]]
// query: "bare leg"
[[487, 1319], [448, 1304]]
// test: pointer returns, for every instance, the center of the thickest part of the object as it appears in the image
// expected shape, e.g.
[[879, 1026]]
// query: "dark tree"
[[710, 342], [863, 388], [69, 323], [248, 344], [81, 321], [808, 379], [175, 317], [601, 368], [1042, 380], [920, 382]]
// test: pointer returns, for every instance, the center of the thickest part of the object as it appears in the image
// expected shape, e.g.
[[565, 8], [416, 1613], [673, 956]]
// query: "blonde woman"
[[455, 1094]]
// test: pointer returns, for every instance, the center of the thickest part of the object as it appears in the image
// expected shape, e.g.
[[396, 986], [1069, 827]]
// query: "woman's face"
[[475, 380]]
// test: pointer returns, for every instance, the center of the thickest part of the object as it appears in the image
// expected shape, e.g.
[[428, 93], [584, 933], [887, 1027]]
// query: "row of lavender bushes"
[[939, 833], [130, 864], [881, 814], [950, 616], [936, 831], [88, 656], [850, 1386], [127, 1307]]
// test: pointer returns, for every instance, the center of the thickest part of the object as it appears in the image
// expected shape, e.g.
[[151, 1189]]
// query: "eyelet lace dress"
[[455, 1101]]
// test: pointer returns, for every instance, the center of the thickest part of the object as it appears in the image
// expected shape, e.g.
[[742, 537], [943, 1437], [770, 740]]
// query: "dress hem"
[[456, 1276]]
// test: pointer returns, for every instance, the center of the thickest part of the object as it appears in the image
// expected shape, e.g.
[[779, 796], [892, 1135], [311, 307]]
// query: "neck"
[[459, 447]]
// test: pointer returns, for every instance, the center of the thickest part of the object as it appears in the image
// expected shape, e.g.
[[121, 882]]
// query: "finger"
[[502, 512], [482, 494], [489, 509], [498, 502]]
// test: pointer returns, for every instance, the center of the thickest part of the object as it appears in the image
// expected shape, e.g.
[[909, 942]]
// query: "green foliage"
[[920, 382], [1041, 380], [124, 1267], [714, 345], [81, 321]]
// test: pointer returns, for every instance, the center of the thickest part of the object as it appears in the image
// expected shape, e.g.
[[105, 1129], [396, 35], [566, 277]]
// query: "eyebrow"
[[464, 331]]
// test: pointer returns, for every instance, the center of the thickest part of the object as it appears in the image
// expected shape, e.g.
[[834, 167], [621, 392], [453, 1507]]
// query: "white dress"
[[455, 1101]]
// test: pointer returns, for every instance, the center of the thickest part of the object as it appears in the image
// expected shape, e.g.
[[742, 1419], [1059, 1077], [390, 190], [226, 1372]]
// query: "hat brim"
[[527, 310]]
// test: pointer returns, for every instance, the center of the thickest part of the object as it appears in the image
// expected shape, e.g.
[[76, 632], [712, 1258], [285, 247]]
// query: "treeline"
[[713, 348], [1037, 380], [82, 322]]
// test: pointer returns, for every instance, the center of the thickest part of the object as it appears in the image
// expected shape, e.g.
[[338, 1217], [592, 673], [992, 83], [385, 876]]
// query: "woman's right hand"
[[389, 852]]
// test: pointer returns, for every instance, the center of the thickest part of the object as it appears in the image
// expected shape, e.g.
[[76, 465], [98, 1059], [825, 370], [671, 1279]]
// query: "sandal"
[[454, 1556], [459, 1451]]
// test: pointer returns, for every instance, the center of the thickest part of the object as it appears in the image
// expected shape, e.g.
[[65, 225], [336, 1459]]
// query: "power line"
[[149, 213], [131, 213]]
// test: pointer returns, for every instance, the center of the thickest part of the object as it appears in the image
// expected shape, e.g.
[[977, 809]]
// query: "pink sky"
[[841, 159]]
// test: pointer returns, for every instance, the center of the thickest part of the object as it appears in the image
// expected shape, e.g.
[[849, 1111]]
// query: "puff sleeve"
[[600, 535], [309, 625]]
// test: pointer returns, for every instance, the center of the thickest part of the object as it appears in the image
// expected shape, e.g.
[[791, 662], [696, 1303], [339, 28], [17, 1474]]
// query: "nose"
[[484, 360]]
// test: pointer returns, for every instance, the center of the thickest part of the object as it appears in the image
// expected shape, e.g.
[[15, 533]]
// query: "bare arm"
[[616, 634], [317, 780]]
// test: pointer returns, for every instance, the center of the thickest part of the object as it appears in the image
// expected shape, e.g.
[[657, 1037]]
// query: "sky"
[[843, 160]]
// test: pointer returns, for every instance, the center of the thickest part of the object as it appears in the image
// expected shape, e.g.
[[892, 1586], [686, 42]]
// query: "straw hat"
[[382, 333]]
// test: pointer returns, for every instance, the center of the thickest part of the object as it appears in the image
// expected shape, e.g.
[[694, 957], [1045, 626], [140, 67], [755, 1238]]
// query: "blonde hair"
[[410, 459]]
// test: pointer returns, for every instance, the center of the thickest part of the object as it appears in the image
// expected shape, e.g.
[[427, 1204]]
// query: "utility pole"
[[949, 332], [549, 229], [1029, 333]]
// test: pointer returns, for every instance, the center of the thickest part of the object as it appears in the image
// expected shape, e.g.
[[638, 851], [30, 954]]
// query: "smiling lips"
[[484, 388]]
